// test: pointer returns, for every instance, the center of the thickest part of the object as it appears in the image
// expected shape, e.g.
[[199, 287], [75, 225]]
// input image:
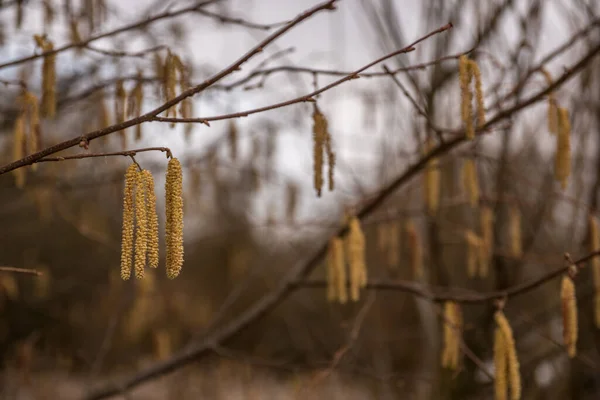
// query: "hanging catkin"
[[120, 106], [321, 144], [595, 265], [432, 180], [507, 348], [552, 105], [500, 366], [356, 258], [569, 313], [174, 218], [476, 73], [473, 243], [486, 219], [48, 77], [452, 335], [152, 241], [336, 272], [516, 246], [470, 181], [465, 74], [128, 228], [141, 226], [19, 146], [562, 168]]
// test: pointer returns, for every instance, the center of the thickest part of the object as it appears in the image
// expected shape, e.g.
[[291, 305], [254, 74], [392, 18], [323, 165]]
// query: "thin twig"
[[21, 271], [127, 153]]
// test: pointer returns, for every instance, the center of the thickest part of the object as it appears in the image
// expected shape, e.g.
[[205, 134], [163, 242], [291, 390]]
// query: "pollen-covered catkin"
[[514, 376], [465, 74], [562, 168], [174, 211], [476, 73], [356, 258], [48, 77], [318, 142], [595, 265], [336, 267], [470, 181], [516, 245], [141, 226], [19, 150], [452, 334], [432, 180], [152, 216], [569, 314], [128, 221], [415, 249]]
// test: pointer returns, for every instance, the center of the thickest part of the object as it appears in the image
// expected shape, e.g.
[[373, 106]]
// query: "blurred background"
[[252, 214]]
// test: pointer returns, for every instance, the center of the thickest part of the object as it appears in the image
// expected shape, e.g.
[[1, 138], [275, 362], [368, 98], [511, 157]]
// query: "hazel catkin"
[[356, 258], [128, 228], [174, 218], [141, 226], [152, 216], [569, 314]]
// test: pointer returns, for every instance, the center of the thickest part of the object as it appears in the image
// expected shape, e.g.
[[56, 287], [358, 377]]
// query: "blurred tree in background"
[[458, 231]]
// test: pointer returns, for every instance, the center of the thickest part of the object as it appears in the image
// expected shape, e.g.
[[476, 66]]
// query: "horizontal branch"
[[20, 271], [127, 153]]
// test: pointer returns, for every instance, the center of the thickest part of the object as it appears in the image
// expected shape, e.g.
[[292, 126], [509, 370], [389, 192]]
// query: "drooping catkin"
[[569, 314], [500, 366], [174, 223], [470, 181], [476, 73], [415, 249], [128, 228], [170, 82], [322, 144], [432, 180], [595, 265], [30, 110], [136, 102], [336, 267], [356, 258], [19, 150], [48, 77], [452, 335], [562, 168], [120, 105], [514, 376], [152, 219], [552, 104], [486, 219], [465, 75], [141, 226], [516, 246]]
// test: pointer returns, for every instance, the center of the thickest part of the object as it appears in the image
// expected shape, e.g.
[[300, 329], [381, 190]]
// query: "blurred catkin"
[[470, 181], [452, 335], [128, 228], [516, 245], [356, 258], [415, 249], [322, 144], [552, 105], [19, 145], [432, 180], [514, 375], [465, 75], [476, 73], [174, 217], [336, 278], [562, 168], [486, 219], [48, 77], [569, 314]]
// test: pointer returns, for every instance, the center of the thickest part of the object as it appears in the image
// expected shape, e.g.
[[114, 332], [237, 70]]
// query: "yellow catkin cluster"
[[415, 249], [321, 143], [19, 150], [432, 180], [470, 181], [355, 247], [476, 255], [140, 222], [453, 324], [569, 313], [562, 167], [486, 219], [136, 103], [595, 265], [174, 224], [232, 139], [128, 230], [48, 77], [120, 108], [552, 104], [506, 363], [469, 70], [516, 246], [336, 272]]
